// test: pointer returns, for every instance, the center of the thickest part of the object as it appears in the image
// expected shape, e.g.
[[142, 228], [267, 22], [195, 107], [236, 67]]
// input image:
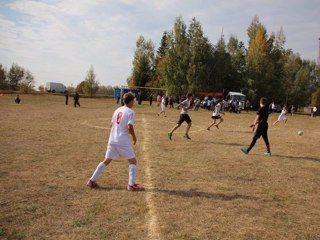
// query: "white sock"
[[132, 174], [98, 171]]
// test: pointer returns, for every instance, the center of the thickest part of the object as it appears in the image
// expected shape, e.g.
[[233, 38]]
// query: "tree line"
[[187, 61], [16, 79]]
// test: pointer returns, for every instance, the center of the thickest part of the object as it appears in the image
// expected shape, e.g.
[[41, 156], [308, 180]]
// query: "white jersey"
[[163, 104], [185, 106], [282, 115], [119, 134], [217, 110]]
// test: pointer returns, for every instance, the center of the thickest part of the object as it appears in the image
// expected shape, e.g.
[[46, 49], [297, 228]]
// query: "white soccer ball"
[[300, 133]]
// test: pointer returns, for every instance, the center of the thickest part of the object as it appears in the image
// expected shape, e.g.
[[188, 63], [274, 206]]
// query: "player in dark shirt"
[[262, 130], [76, 99]]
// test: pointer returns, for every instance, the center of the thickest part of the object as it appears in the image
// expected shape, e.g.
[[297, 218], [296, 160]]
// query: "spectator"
[[171, 101], [118, 98], [166, 101], [197, 104], [139, 97], [248, 105]]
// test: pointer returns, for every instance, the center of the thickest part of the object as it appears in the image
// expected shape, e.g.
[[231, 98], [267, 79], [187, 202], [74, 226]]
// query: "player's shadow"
[[313, 159], [194, 193]]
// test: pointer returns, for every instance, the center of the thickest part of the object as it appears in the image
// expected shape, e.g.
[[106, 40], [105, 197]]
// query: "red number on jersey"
[[119, 117]]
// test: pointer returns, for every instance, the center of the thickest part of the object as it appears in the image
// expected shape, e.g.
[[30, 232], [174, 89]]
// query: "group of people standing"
[[76, 98]]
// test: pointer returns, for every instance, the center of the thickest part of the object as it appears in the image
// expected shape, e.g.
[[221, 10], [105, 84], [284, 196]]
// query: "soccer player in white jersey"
[[163, 106], [216, 115], [119, 143], [282, 116], [184, 116]]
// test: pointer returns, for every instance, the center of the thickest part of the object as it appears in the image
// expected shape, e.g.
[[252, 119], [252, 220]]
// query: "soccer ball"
[[300, 133]]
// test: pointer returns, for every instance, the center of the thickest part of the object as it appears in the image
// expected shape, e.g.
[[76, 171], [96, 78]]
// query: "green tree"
[[163, 46], [292, 65], [260, 65], [222, 67], [143, 63], [237, 73], [90, 86], [26, 84], [158, 80], [175, 68], [302, 90], [14, 76], [200, 70], [3, 78], [300, 79]]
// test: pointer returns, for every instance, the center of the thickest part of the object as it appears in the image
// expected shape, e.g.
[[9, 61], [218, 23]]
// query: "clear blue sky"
[[58, 40]]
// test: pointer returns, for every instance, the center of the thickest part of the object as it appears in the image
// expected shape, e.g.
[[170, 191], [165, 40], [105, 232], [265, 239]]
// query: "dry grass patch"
[[200, 189]]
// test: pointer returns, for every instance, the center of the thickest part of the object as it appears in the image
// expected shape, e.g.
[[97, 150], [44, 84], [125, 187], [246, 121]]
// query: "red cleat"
[[92, 184], [135, 187]]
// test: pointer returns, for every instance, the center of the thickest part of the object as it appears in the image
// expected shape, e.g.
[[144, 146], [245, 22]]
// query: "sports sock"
[[132, 174], [268, 148], [98, 171]]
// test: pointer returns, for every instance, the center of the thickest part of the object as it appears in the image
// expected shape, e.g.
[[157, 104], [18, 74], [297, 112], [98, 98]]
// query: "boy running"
[[216, 115], [282, 115], [184, 116], [119, 143], [262, 130]]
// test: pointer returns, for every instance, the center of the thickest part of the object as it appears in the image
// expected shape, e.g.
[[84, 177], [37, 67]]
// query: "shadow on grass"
[[110, 188], [237, 131], [185, 193], [221, 143], [194, 193], [313, 159]]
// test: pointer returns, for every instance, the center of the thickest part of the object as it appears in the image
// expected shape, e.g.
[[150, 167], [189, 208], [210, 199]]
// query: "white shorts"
[[282, 117], [163, 107], [115, 151]]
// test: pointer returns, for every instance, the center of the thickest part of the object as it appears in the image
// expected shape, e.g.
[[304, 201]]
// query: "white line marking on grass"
[[153, 231]]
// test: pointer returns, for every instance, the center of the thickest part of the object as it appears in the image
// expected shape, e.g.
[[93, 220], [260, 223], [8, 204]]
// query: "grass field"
[[199, 189]]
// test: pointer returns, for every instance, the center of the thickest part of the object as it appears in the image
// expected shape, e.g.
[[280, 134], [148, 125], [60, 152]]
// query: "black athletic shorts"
[[184, 117], [216, 117]]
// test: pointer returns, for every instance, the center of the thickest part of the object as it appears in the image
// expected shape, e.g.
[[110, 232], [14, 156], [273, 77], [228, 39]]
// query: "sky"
[[58, 40]]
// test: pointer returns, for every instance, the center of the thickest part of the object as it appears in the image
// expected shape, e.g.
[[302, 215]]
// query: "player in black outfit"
[[76, 99], [262, 130]]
